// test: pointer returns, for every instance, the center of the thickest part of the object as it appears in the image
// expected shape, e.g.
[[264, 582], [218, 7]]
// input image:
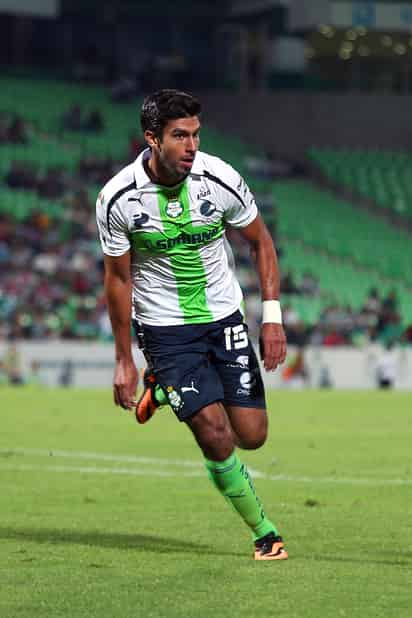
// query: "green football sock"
[[232, 479], [160, 396]]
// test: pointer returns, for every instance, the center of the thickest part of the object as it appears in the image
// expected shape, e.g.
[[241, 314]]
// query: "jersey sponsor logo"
[[184, 239], [242, 391], [243, 361], [140, 219], [174, 209], [247, 380], [207, 209]]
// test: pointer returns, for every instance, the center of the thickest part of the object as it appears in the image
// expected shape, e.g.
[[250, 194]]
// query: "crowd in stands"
[[51, 184], [75, 119], [51, 276], [377, 320], [51, 270], [55, 182], [13, 129]]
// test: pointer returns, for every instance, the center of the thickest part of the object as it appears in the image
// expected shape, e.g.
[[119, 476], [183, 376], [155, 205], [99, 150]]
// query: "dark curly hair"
[[165, 105]]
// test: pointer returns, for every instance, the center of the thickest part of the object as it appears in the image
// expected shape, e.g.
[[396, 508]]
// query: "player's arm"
[[118, 288], [272, 336]]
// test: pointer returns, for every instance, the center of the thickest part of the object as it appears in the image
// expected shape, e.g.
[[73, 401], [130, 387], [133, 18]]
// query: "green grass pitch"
[[101, 517]]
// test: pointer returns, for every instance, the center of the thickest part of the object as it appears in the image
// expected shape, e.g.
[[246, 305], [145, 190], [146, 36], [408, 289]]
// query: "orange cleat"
[[147, 404], [270, 547]]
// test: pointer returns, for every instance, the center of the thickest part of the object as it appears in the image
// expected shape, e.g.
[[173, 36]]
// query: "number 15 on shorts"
[[235, 337]]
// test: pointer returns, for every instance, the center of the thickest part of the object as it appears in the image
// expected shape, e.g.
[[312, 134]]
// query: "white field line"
[[37, 452], [99, 470], [161, 467]]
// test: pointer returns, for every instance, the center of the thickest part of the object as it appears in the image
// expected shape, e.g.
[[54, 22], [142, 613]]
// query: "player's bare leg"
[[211, 429], [249, 426]]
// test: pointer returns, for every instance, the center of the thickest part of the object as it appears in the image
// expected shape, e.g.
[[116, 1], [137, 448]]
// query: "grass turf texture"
[[80, 543]]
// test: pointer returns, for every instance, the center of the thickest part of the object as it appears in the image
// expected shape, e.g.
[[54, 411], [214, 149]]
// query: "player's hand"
[[272, 343], [125, 384]]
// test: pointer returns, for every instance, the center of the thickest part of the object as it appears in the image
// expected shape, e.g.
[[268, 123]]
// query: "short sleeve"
[[112, 226], [240, 208]]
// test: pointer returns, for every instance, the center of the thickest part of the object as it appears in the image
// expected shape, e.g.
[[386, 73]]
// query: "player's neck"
[[159, 174]]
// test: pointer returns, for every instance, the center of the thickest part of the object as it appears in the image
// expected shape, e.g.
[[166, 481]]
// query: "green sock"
[[160, 396], [232, 479]]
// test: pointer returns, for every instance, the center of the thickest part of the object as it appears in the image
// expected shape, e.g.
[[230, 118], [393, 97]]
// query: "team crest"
[[174, 398], [174, 209]]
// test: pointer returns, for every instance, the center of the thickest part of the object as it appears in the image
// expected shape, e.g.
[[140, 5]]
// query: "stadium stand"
[[382, 176], [340, 250]]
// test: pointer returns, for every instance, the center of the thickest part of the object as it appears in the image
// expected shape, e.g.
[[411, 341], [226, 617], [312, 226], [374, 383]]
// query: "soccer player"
[[170, 270]]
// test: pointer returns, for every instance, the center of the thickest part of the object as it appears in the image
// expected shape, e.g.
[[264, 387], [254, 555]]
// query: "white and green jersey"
[[182, 264]]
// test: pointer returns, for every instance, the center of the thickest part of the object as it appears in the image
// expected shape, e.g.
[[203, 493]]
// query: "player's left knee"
[[253, 442], [255, 438]]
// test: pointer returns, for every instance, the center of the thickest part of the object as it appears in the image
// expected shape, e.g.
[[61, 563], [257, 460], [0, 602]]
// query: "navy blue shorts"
[[198, 364]]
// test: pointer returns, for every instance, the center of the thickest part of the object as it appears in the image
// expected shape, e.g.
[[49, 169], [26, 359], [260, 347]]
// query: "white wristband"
[[271, 312]]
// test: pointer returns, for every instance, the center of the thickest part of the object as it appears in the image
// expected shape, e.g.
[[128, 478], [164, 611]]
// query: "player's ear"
[[152, 139]]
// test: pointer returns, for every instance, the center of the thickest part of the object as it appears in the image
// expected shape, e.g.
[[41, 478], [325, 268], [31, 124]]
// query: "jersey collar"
[[140, 176]]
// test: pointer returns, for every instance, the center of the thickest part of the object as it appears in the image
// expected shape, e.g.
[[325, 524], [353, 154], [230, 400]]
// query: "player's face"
[[176, 150]]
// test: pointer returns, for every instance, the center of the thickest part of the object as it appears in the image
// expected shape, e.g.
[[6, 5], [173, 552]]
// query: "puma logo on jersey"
[[139, 220]]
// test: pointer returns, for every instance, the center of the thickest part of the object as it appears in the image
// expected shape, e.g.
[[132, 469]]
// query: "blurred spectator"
[[333, 337], [325, 380], [288, 285], [72, 119], [33, 377], [95, 170], [17, 133], [296, 330], [21, 175], [295, 374], [124, 89], [4, 128], [290, 316], [386, 368], [297, 334], [94, 122], [270, 166], [390, 328], [12, 365], [66, 375], [373, 302], [52, 185], [3, 374], [390, 302], [407, 336], [309, 284]]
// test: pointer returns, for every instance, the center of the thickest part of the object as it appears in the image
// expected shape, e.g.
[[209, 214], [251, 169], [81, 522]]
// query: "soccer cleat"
[[270, 547], [147, 404]]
